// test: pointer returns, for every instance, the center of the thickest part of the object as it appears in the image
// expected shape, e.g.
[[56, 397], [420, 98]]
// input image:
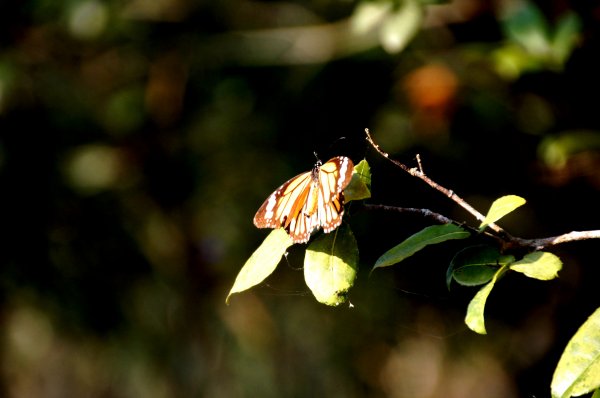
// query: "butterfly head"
[[315, 170]]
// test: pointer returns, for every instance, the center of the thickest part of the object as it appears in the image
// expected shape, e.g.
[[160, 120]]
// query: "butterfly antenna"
[[334, 142]]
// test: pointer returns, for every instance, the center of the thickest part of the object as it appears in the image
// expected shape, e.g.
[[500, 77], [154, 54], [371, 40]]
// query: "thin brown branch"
[[504, 237], [506, 241], [440, 218], [418, 172], [542, 243], [424, 212]]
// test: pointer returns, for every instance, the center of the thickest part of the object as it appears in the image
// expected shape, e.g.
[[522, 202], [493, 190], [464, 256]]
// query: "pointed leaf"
[[330, 266], [474, 319], [475, 265], [538, 265], [262, 262], [501, 207], [578, 370], [360, 184], [427, 236]]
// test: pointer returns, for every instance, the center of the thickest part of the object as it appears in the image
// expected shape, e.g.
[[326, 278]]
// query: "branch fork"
[[505, 239]]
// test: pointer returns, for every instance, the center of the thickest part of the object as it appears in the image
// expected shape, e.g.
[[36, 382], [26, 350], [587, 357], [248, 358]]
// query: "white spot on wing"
[[343, 169], [271, 202]]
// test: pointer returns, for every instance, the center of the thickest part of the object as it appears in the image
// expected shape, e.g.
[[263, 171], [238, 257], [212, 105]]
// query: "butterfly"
[[308, 201]]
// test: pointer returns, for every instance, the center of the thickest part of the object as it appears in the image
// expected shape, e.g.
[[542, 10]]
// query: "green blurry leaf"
[[359, 186], [262, 262], [474, 319], [556, 150], [596, 394], [511, 60], [578, 370], [475, 265], [368, 15], [88, 19], [542, 46], [566, 36], [501, 207], [526, 25], [401, 26], [427, 236], [8, 80], [330, 266], [125, 111], [538, 265], [93, 168]]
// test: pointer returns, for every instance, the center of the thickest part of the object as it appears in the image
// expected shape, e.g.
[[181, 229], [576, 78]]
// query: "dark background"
[[138, 138]]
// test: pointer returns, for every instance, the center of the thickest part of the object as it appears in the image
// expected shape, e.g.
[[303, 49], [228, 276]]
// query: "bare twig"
[[424, 212], [418, 172], [541, 243], [504, 237]]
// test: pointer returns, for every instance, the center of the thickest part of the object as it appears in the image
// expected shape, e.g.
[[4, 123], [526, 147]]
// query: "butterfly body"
[[308, 201]]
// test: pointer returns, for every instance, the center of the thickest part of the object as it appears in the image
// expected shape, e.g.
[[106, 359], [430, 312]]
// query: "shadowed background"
[[138, 138]]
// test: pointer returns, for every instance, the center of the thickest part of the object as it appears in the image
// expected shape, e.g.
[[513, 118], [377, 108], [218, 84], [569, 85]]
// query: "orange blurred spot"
[[166, 88], [431, 92], [431, 87]]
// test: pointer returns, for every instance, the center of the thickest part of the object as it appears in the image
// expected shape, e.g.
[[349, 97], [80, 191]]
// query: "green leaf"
[[578, 370], [330, 266], [475, 265], [474, 319], [527, 26], [427, 236], [501, 207], [360, 185], [538, 265], [596, 393], [400, 26], [262, 262], [566, 36], [368, 15]]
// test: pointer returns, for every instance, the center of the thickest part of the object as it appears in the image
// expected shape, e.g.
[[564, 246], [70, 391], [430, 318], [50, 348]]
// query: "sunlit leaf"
[[538, 265], [427, 236], [330, 266], [475, 265], [475, 319], [578, 370], [501, 207], [359, 186], [369, 15], [401, 26], [262, 262]]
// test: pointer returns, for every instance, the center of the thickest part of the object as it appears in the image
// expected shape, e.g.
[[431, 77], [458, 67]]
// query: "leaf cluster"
[[331, 265]]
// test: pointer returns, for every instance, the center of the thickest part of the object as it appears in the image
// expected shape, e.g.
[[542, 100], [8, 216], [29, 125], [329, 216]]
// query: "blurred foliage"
[[138, 138]]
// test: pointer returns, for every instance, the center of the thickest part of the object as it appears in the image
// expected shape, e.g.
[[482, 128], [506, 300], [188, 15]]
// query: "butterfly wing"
[[307, 201], [285, 203], [334, 176]]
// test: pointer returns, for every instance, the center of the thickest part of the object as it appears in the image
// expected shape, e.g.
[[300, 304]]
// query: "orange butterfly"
[[308, 201]]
